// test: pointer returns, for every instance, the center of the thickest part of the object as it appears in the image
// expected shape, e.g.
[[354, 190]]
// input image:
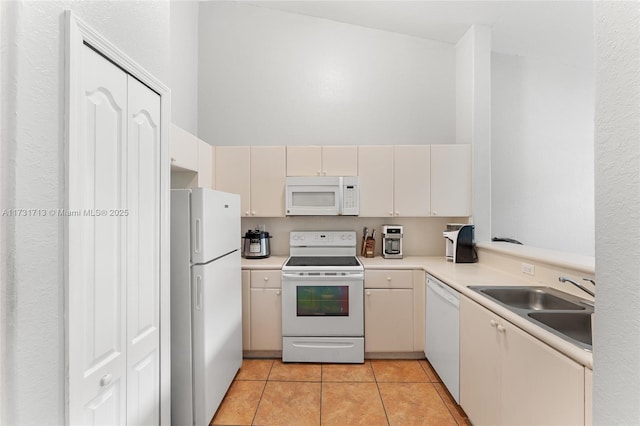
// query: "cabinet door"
[[450, 180], [340, 160], [381, 334], [540, 386], [375, 168], [233, 173], [184, 150], [479, 364], [412, 180], [246, 310], [205, 165], [268, 181], [266, 319], [304, 161]]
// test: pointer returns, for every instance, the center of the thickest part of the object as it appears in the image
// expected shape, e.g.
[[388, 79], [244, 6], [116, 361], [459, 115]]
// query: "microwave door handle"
[[340, 196]]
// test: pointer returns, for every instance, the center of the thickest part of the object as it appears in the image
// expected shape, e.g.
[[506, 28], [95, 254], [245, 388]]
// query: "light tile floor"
[[378, 392]]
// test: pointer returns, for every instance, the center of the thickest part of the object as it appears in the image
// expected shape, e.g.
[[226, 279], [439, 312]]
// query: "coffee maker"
[[460, 244], [392, 241]]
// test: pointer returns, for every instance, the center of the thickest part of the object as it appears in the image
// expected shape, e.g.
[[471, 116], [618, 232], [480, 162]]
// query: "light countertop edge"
[[271, 262]]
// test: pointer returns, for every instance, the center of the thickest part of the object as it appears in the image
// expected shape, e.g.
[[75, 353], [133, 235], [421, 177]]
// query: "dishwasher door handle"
[[444, 293]]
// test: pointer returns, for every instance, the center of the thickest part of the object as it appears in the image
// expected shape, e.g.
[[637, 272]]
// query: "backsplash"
[[422, 236]]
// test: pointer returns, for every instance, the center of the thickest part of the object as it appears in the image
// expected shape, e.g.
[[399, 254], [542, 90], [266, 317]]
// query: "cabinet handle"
[[493, 323], [106, 379], [278, 292], [501, 329]]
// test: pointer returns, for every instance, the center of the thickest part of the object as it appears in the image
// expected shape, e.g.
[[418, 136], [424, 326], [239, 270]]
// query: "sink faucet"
[[580, 286]]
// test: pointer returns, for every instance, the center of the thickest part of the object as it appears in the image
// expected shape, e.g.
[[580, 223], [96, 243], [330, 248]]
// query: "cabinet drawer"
[[266, 279], [388, 279]]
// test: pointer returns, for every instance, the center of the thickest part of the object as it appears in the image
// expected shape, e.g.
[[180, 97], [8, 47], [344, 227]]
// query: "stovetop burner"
[[316, 261]]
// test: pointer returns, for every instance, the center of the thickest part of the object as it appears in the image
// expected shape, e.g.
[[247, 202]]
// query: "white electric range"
[[322, 299]]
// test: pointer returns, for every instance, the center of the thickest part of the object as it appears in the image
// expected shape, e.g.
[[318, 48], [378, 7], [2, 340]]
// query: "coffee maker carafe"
[[392, 241]]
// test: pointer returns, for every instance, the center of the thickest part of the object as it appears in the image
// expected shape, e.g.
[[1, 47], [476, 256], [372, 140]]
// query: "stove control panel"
[[322, 238]]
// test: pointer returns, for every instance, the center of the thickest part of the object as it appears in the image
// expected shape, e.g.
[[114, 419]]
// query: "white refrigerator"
[[206, 301]]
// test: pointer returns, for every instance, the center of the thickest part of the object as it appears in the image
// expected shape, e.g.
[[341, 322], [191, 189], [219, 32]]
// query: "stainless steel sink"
[[575, 325], [531, 298], [565, 315]]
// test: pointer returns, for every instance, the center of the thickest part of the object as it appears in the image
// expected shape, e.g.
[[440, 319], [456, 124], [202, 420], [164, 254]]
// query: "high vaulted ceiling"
[[562, 30]]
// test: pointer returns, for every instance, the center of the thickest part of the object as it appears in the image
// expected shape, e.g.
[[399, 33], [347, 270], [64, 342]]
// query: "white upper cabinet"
[[322, 160], [375, 167], [184, 150], [257, 173], [267, 181], [394, 180], [206, 160], [233, 173], [451, 180], [412, 180]]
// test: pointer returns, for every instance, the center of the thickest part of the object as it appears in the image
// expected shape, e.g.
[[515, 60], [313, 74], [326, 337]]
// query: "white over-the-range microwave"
[[323, 196]]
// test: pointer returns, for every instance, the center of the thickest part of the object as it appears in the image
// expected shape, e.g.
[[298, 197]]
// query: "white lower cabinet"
[[508, 377], [388, 320], [265, 320], [393, 321]]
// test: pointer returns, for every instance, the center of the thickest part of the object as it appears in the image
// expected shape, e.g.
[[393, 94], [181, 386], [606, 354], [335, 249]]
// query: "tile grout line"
[[375, 378], [253, 420]]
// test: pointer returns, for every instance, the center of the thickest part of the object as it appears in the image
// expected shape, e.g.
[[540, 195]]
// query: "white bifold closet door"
[[114, 250]]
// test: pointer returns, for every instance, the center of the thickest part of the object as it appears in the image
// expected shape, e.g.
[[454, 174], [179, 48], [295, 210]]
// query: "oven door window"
[[322, 300]]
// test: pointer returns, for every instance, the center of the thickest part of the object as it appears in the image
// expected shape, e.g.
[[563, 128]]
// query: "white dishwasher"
[[442, 333]]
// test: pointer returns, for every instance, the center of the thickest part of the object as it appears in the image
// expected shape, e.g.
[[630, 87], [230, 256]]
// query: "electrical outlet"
[[528, 269]]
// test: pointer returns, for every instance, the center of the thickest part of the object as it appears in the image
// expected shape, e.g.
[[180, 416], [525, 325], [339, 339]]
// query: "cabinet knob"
[[501, 329], [246, 213], [106, 379], [253, 213], [173, 160], [278, 292], [368, 293], [434, 213], [388, 278], [324, 173], [397, 213], [266, 278], [390, 213], [493, 323]]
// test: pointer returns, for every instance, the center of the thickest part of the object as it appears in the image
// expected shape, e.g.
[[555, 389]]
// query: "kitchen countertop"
[[459, 276], [462, 275], [271, 262]]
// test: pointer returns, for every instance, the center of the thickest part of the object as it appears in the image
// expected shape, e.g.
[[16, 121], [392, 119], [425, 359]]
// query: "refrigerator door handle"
[[198, 291], [197, 243]]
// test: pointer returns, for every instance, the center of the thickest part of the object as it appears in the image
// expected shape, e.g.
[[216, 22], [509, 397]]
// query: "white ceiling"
[[562, 30]]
